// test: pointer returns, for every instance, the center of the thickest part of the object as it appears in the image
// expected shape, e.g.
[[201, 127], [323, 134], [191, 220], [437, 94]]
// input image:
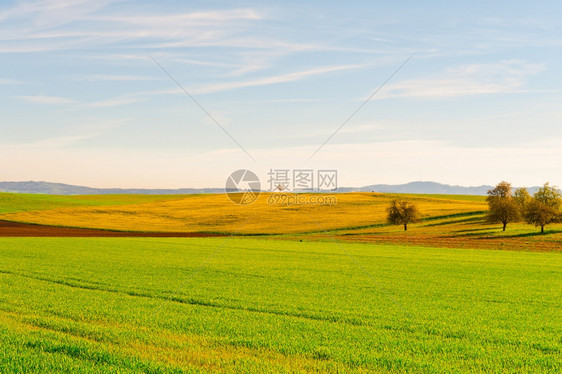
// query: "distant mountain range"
[[66, 189], [426, 188]]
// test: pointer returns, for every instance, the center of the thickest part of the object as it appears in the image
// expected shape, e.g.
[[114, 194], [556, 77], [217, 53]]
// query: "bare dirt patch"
[[16, 229]]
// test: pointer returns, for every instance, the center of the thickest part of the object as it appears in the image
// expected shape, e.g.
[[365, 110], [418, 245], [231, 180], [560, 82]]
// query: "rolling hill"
[[424, 187]]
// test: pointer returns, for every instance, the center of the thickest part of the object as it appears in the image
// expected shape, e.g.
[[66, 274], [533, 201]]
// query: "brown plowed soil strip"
[[15, 229]]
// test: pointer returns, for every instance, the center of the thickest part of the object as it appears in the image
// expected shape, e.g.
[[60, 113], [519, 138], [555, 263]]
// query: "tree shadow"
[[530, 234], [454, 222], [475, 231]]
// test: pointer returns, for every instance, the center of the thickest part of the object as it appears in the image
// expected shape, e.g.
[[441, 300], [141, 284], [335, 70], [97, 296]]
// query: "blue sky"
[[83, 103]]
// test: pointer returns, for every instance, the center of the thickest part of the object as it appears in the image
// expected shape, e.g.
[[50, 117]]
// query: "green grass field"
[[98, 305], [13, 202]]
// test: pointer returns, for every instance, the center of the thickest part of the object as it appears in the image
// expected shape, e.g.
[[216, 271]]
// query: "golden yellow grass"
[[449, 221], [216, 213]]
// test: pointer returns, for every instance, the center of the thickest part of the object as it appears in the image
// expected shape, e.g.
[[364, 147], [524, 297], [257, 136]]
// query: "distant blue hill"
[[67, 189], [427, 188]]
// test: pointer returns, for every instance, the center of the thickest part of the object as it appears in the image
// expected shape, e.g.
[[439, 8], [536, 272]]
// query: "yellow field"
[[447, 221], [216, 213]]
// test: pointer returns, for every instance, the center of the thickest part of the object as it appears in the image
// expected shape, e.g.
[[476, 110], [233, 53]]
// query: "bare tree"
[[502, 206], [402, 212], [544, 207]]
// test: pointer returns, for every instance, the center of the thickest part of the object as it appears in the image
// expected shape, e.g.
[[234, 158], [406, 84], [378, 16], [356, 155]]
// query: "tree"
[[402, 212], [502, 207], [549, 196], [522, 198], [544, 207], [502, 189]]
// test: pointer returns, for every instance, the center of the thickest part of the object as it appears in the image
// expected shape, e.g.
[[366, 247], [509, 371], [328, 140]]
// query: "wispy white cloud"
[[200, 62], [113, 102], [51, 13], [295, 100], [113, 78], [74, 104], [9, 81], [473, 79], [227, 86], [276, 79], [362, 128], [126, 58], [92, 127], [52, 100], [55, 142], [78, 133], [172, 19], [43, 20], [158, 92]]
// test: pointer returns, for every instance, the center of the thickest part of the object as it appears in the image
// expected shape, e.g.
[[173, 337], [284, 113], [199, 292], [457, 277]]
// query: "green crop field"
[[12, 203], [107, 305]]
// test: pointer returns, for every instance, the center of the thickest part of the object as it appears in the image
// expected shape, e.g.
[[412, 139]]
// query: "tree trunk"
[[405, 227], [504, 225], [542, 229]]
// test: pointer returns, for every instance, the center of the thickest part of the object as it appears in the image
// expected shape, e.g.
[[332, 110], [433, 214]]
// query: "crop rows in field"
[[178, 305]]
